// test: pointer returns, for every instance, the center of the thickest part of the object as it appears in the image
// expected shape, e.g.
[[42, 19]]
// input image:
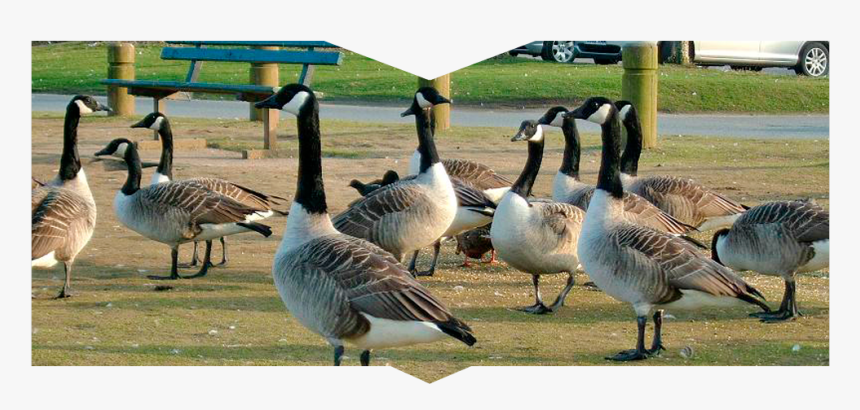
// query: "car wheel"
[[605, 61], [558, 51], [814, 60], [513, 54]]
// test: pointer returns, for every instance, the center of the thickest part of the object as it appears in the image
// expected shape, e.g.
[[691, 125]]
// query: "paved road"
[[741, 126]]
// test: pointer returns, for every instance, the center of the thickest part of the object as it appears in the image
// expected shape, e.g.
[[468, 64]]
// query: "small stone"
[[213, 332], [175, 351], [232, 327], [795, 348], [458, 288]]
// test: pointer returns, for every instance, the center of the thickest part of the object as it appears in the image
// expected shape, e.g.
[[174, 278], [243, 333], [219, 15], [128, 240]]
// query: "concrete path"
[[726, 125]]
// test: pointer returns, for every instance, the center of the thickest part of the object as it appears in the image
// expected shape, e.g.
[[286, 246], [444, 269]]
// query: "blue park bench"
[[232, 51]]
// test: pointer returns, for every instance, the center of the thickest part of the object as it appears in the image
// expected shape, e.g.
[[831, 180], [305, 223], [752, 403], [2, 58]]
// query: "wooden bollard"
[[639, 86], [264, 74], [120, 66], [441, 112]]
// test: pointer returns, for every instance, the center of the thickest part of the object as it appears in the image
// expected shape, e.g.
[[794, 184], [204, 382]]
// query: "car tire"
[[558, 51], [513, 54], [814, 60], [605, 61]]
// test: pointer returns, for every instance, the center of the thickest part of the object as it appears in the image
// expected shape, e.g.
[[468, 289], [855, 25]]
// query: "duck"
[[411, 213], [164, 173], [569, 188], [685, 199], [649, 269], [63, 210], [475, 243], [536, 237], [780, 238], [363, 189], [346, 289], [177, 212]]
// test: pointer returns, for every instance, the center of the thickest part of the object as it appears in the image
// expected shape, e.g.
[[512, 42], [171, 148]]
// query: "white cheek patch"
[[83, 107], [538, 134], [296, 103], [599, 116], [422, 102], [120, 150], [156, 125], [558, 120], [624, 111]]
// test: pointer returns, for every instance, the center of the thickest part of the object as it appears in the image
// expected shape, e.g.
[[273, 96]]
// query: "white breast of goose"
[[437, 180], [78, 184], [303, 226], [517, 243]]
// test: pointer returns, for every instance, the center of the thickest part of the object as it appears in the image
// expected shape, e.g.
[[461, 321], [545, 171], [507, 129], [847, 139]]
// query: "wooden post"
[[639, 86], [264, 74], [442, 112], [120, 66]]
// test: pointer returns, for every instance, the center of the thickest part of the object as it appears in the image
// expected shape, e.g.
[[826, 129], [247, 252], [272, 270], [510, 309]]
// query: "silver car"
[[805, 57]]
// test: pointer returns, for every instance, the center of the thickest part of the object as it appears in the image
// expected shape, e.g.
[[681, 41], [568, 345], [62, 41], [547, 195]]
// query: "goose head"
[[86, 104], [718, 236], [553, 117], [425, 98], [530, 130], [153, 121], [595, 109], [292, 98], [625, 110], [116, 148]]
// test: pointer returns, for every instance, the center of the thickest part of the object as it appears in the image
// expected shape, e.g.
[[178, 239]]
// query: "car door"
[[727, 52], [781, 52]]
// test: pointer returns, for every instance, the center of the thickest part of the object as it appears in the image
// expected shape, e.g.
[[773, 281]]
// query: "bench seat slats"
[[301, 44], [251, 55], [199, 87]]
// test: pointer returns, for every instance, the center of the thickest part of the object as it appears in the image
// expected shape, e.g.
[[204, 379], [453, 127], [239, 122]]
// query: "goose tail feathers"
[[262, 229], [458, 330]]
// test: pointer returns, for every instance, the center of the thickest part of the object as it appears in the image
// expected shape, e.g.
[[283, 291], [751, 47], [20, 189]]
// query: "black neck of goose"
[[132, 161], [165, 165], [609, 178], [633, 149], [426, 146], [310, 192], [572, 148], [70, 162], [525, 182]]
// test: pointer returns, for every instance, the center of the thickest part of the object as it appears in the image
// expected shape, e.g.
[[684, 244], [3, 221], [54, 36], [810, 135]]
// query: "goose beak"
[[102, 152], [519, 137], [406, 113], [577, 113], [139, 124], [102, 107], [268, 103], [442, 100]]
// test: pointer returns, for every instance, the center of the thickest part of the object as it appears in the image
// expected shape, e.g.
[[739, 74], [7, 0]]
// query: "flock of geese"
[[343, 277]]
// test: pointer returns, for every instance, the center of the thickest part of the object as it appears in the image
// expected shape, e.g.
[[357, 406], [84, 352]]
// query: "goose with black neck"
[[346, 289], [647, 268]]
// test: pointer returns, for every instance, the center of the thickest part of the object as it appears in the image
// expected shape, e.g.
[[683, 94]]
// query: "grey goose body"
[[346, 289], [649, 269], [780, 238], [63, 210], [536, 237], [683, 198]]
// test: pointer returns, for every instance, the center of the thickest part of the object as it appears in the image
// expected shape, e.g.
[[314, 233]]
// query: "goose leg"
[[67, 285], [207, 263], [194, 259], [639, 353], [338, 355], [365, 358], [788, 307], [437, 246], [465, 261], [657, 343], [174, 266], [559, 302], [223, 253], [412, 263], [492, 257], [538, 308]]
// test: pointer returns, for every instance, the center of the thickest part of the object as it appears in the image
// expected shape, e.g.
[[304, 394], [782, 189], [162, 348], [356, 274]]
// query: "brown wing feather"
[[480, 175], [805, 220], [55, 210], [361, 217], [203, 205]]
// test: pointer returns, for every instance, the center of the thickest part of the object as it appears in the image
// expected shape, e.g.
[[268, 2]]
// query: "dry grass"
[[117, 318]]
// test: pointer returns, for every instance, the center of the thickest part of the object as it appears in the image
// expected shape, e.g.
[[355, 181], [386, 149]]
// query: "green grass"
[[117, 317], [503, 81]]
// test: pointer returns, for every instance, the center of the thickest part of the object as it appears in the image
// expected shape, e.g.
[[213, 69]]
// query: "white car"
[[810, 58]]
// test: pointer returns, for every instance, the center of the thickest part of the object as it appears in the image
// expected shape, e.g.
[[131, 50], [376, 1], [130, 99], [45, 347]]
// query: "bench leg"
[[158, 105], [270, 125]]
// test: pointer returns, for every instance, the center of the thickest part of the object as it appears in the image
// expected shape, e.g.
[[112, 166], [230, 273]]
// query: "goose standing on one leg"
[[778, 238], [411, 213], [647, 268], [684, 199], [536, 237], [63, 211], [343, 288], [179, 212]]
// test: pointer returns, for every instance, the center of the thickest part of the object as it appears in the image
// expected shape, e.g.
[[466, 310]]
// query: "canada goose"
[[639, 265], [684, 199], [164, 173], [478, 175], [343, 288], [178, 212], [363, 189], [413, 212], [536, 237], [568, 188], [474, 244], [778, 238], [63, 210]]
